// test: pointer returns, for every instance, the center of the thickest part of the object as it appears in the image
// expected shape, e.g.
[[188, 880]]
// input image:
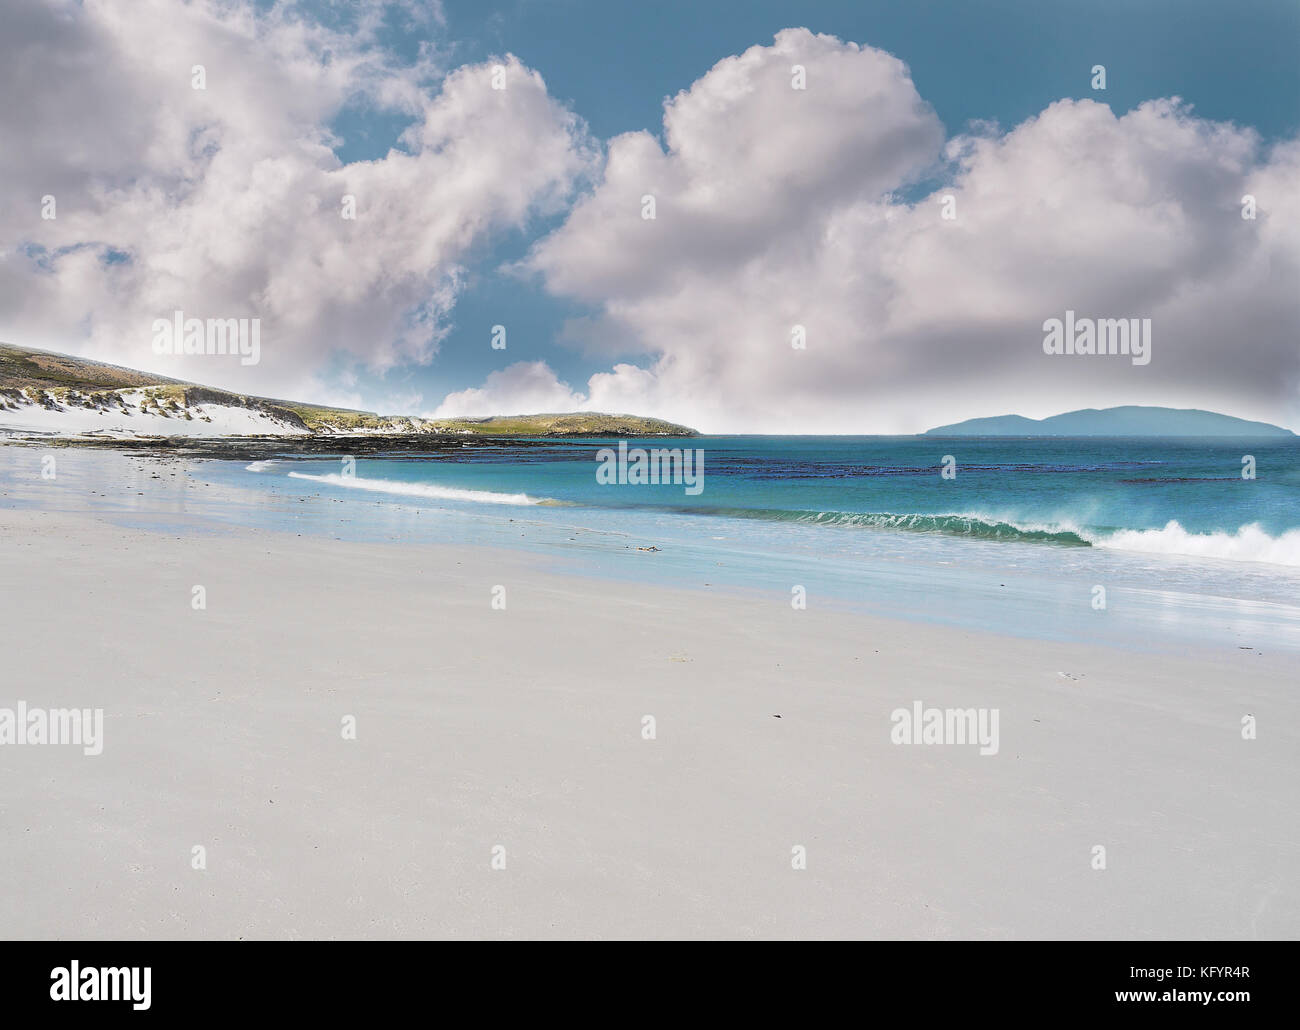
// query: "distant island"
[[1129, 420], [47, 395]]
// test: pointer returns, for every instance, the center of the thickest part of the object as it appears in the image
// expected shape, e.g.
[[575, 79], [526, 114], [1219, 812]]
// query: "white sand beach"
[[583, 471], [522, 729]]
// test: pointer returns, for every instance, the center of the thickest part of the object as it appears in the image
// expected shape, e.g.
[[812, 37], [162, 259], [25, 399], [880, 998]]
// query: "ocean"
[[1141, 542], [1017, 537]]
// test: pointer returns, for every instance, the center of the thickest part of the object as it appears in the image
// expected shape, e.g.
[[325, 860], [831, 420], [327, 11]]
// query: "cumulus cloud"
[[524, 388], [778, 207], [226, 202], [775, 207]]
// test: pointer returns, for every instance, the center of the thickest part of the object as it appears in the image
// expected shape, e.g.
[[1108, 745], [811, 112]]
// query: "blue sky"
[[947, 183], [1000, 60]]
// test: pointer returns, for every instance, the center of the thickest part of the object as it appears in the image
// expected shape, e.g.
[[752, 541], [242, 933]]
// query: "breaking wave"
[[1249, 543], [428, 490]]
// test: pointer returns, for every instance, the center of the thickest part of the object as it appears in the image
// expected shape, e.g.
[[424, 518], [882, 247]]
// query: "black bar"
[[883, 980]]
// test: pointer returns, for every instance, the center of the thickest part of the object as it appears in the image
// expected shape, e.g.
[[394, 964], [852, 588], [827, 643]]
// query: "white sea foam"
[[1249, 543], [441, 493], [259, 466]]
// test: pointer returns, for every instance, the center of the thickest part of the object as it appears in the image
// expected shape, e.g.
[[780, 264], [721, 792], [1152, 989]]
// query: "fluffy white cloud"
[[775, 207], [524, 388], [778, 207], [226, 202]]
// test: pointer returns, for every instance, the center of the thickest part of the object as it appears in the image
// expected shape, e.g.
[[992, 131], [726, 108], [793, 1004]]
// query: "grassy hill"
[[34, 369], [60, 382]]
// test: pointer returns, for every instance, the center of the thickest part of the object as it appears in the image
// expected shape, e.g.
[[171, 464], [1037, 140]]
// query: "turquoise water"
[[1061, 492], [1018, 540]]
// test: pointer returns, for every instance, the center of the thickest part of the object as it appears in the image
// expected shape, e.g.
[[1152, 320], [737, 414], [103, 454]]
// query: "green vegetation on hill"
[[22, 369], [60, 380], [581, 423]]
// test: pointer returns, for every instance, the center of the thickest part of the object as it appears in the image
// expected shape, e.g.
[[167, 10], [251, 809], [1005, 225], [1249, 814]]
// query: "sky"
[[864, 213]]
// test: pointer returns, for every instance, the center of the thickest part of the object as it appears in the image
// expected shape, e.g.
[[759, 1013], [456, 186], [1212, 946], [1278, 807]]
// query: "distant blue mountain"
[[1130, 420]]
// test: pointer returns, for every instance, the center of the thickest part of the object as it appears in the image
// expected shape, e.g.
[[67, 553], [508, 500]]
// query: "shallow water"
[[1019, 541]]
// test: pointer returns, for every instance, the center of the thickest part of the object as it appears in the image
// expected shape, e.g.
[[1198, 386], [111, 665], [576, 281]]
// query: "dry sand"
[[522, 728]]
